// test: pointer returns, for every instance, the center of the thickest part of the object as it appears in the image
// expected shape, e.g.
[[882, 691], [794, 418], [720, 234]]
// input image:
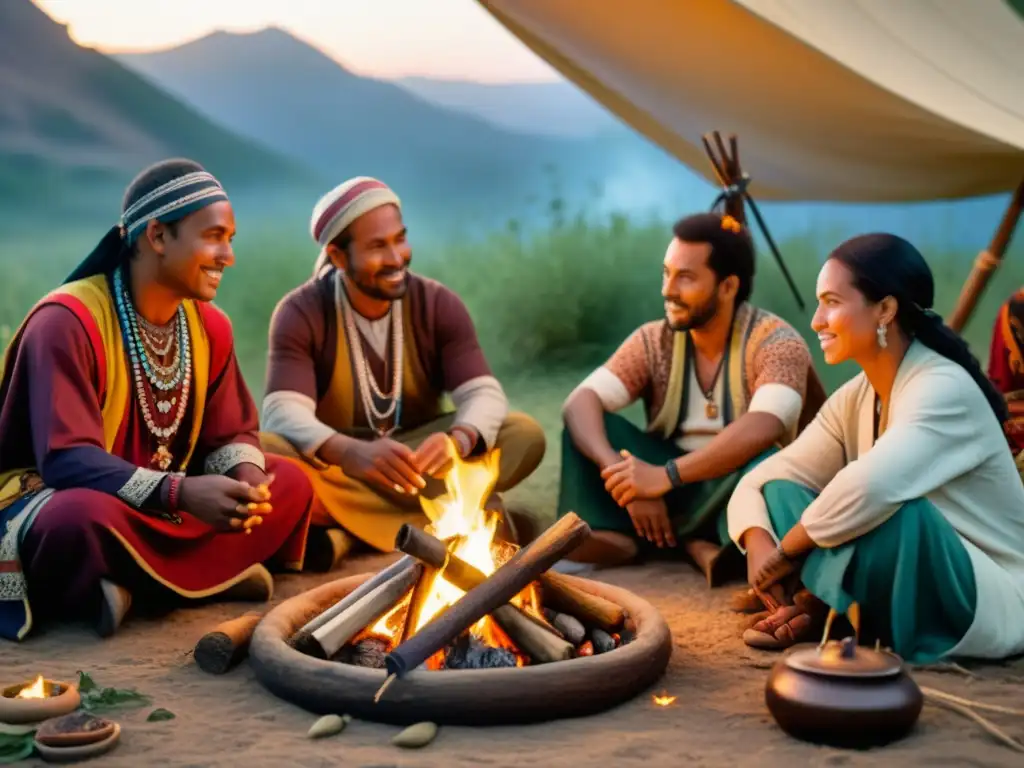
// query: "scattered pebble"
[[416, 736], [603, 642], [571, 627], [328, 725]]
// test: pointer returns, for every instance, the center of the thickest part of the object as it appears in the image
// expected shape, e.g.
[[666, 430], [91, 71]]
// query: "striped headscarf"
[[335, 211], [167, 191]]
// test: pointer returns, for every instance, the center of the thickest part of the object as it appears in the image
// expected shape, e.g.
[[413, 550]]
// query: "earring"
[[881, 336]]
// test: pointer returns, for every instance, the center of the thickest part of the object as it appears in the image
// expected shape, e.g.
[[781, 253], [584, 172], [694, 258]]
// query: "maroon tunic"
[[304, 344], [90, 528]]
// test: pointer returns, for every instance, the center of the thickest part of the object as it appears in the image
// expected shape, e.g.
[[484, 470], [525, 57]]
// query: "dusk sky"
[[455, 39]]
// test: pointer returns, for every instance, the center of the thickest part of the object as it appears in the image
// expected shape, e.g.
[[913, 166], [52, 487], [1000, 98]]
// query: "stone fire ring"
[[578, 687]]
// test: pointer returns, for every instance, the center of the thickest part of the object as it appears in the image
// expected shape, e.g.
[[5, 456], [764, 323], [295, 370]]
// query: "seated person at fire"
[[723, 382], [375, 373], [1006, 366], [130, 463], [900, 496]]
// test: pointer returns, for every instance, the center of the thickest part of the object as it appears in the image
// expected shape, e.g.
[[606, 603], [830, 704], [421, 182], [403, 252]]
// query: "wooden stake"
[[987, 262]]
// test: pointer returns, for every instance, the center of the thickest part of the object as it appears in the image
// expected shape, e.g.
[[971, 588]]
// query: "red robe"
[[78, 499], [1006, 364]]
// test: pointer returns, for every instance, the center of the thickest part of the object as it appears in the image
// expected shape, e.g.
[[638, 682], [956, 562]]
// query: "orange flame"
[[35, 691], [664, 700], [459, 519]]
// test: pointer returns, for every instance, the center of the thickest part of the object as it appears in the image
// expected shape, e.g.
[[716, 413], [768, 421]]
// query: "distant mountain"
[[288, 95], [555, 109], [75, 125]]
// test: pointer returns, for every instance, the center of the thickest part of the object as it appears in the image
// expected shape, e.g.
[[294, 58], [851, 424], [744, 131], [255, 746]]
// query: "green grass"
[[547, 307]]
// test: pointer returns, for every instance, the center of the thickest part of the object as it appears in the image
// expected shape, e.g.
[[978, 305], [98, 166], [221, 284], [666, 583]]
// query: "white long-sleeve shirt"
[[941, 443]]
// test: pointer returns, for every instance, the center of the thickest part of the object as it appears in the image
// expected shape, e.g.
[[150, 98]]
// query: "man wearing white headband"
[[363, 360], [130, 461]]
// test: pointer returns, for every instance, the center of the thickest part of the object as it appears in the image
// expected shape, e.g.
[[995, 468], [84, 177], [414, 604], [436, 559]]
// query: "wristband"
[[673, 474], [173, 492]]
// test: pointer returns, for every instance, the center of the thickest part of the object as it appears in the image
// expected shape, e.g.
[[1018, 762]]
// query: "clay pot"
[[61, 698], [843, 695]]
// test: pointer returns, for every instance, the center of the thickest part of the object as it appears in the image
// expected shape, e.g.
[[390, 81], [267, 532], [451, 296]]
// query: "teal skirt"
[[911, 576]]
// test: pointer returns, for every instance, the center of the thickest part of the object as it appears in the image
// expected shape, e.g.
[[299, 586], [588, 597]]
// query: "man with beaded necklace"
[[375, 373], [130, 465]]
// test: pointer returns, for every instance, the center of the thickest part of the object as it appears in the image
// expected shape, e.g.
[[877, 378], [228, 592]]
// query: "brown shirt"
[[304, 342]]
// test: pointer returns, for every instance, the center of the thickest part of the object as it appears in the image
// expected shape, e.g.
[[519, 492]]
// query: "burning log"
[[506, 582], [302, 640], [420, 595], [328, 639], [368, 652], [470, 653], [529, 635], [562, 596], [226, 644]]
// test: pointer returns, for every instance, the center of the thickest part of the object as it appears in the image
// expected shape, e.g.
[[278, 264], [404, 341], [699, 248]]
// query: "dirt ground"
[[719, 717]]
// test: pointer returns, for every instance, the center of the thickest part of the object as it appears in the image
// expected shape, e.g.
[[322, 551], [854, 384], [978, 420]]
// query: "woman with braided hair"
[[900, 496]]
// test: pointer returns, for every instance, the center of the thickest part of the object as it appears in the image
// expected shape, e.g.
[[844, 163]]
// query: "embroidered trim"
[[13, 585], [228, 456], [140, 485]]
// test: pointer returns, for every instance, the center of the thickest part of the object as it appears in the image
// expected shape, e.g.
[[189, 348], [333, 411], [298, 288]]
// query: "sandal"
[[791, 624]]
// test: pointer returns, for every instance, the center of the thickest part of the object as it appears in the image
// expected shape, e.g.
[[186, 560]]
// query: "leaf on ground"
[[14, 748], [160, 714], [95, 698]]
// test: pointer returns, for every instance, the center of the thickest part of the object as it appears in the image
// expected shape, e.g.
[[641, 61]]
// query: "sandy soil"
[[719, 718]]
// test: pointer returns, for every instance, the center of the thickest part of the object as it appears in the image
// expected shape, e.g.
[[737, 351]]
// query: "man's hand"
[[632, 480], [434, 454], [222, 502], [650, 518], [385, 463]]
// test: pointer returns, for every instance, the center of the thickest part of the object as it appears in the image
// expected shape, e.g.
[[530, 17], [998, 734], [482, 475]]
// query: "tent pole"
[[987, 262]]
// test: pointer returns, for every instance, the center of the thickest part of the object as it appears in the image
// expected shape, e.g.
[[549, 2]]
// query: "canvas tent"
[[840, 100]]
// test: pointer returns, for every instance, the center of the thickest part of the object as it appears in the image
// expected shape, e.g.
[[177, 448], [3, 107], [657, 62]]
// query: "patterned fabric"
[[222, 460], [772, 352], [335, 211]]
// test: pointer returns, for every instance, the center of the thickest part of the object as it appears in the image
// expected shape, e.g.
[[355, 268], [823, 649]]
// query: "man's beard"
[[699, 317], [368, 288]]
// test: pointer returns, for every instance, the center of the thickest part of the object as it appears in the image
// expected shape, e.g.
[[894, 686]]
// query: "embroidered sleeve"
[[781, 357], [140, 486], [632, 362], [220, 461]]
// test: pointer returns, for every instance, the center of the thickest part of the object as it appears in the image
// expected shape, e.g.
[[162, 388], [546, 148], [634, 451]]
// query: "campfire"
[[463, 598]]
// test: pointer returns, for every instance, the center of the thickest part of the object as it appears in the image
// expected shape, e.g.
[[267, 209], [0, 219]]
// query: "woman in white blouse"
[[902, 495]]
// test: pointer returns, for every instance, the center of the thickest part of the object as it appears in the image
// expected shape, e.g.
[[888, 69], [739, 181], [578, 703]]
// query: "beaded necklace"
[[367, 382], [163, 381]]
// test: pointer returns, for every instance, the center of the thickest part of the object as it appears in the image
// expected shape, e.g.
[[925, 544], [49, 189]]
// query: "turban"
[[336, 210], [167, 191]]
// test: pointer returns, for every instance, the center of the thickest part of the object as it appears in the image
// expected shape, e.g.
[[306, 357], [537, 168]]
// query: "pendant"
[[164, 406], [711, 409], [162, 458]]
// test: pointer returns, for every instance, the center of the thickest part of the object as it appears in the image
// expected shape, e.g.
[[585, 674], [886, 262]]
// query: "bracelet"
[[673, 474], [173, 492]]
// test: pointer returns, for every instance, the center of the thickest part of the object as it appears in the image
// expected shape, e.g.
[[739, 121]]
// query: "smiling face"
[[195, 251], [845, 321], [692, 291], [376, 258]]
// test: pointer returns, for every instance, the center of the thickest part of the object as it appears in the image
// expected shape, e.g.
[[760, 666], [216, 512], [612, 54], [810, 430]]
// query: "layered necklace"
[[370, 393], [160, 387]]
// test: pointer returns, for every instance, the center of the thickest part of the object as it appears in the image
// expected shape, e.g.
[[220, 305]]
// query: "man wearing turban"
[[130, 464], [375, 375]]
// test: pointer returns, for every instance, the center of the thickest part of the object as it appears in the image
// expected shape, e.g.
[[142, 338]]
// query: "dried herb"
[[96, 699]]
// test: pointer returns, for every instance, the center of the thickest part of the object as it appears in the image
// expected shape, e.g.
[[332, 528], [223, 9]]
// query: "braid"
[[929, 328]]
